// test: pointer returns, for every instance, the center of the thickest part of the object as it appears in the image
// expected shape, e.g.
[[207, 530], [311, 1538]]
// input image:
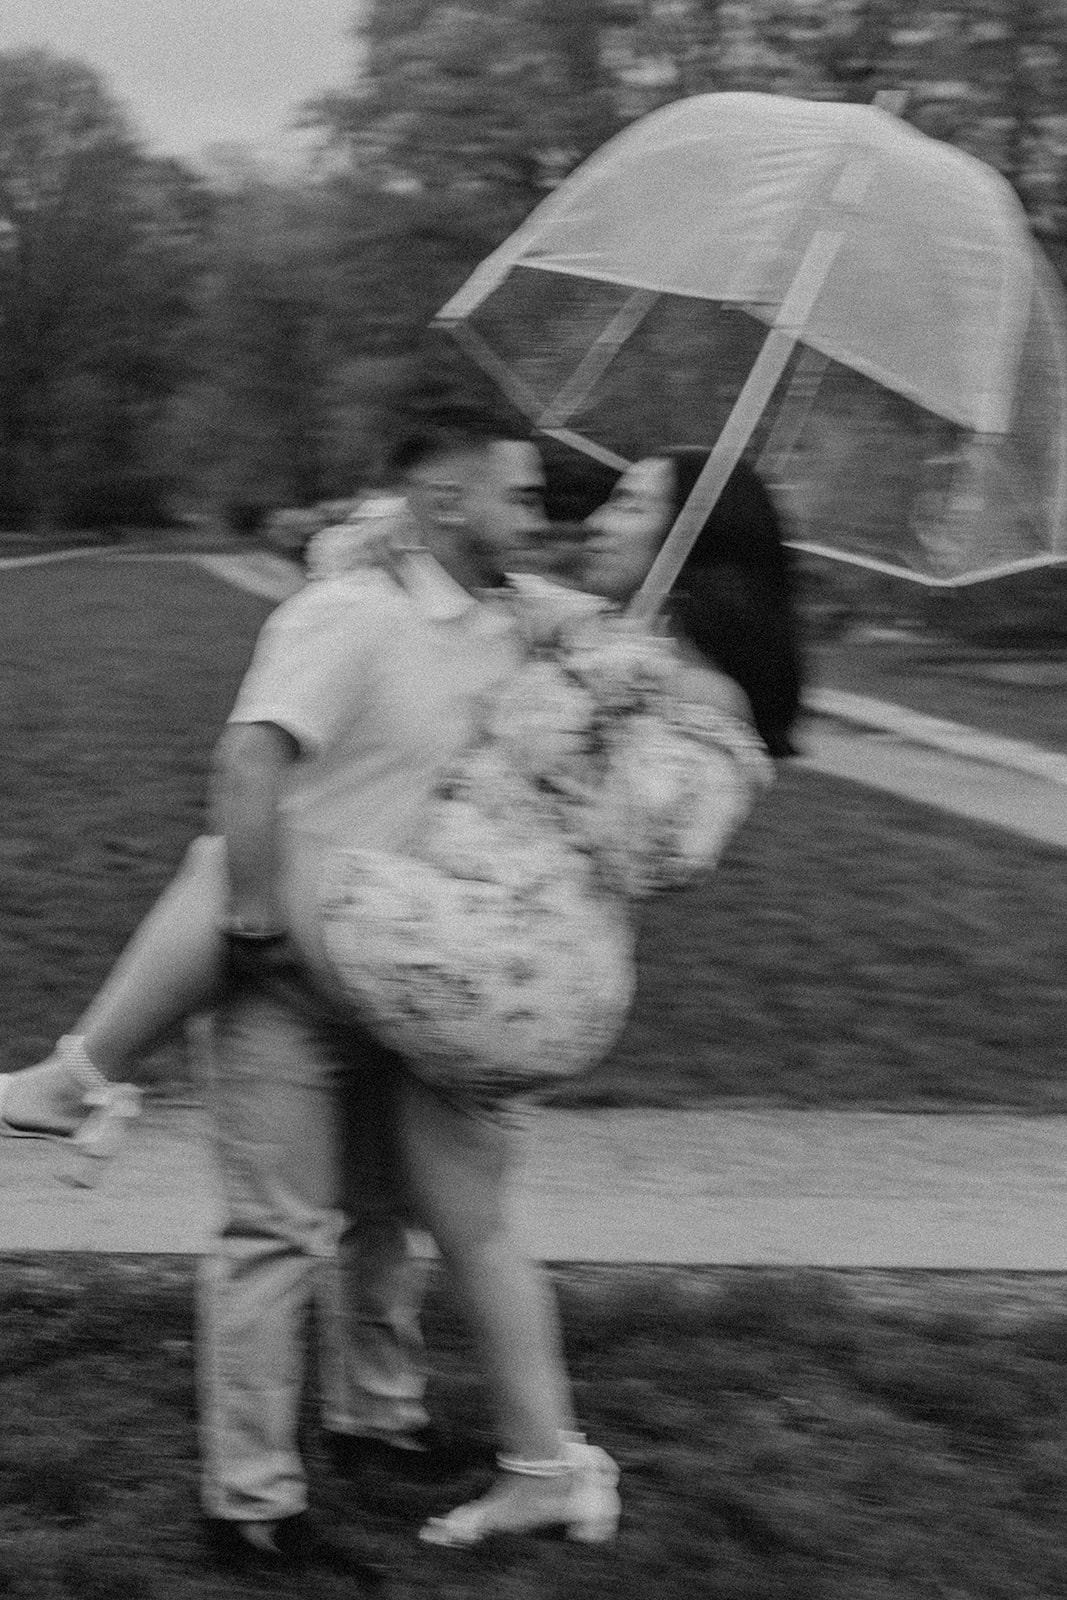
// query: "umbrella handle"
[[748, 408], [729, 447]]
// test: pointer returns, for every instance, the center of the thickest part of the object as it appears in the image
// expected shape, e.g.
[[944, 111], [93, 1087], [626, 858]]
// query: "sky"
[[192, 73]]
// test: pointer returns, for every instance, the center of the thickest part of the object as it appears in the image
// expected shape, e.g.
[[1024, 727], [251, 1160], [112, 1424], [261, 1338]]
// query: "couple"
[[357, 720]]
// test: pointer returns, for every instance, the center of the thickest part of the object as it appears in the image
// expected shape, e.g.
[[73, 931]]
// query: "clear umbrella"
[[859, 306]]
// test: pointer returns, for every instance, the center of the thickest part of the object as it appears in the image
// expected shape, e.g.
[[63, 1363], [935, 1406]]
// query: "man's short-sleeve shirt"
[[379, 684]]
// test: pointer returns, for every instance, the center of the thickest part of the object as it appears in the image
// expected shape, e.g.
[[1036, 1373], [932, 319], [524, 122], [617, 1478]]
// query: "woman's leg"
[[458, 1166], [171, 967]]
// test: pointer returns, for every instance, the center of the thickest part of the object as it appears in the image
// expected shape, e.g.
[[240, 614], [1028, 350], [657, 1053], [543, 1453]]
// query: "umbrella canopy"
[[865, 247]]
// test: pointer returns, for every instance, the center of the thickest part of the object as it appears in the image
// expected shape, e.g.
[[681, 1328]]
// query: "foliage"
[[239, 340], [498, 100], [97, 256], [245, 425]]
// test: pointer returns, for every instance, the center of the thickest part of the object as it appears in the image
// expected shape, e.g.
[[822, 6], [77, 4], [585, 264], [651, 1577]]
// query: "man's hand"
[[261, 959]]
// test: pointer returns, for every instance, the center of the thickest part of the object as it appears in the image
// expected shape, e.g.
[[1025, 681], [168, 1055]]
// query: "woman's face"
[[626, 532]]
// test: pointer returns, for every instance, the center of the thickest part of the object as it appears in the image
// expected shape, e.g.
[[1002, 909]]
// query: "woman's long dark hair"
[[735, 596]]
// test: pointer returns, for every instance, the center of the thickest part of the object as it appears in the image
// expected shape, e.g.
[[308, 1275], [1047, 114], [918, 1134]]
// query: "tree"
[[243, 427], [494, 97], [462, 117], [98, 253]]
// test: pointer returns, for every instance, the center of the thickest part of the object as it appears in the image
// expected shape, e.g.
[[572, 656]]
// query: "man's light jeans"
[[303, 1118]]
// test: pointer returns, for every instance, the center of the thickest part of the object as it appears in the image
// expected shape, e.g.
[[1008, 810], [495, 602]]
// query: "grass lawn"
[[782, 1436], [117, 679], [1017, 694], [853, 949]]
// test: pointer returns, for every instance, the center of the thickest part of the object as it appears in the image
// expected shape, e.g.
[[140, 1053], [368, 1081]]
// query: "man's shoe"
[[417, 1457], [291, 1543]]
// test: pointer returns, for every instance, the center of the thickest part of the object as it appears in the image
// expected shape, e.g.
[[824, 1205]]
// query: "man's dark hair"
[[434, 430]]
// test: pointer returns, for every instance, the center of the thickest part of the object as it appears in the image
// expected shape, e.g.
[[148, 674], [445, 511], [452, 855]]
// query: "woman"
[[735, 598], [559, 782]]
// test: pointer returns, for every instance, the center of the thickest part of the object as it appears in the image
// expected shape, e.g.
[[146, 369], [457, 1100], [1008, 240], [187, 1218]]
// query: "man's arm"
[[251, 763]]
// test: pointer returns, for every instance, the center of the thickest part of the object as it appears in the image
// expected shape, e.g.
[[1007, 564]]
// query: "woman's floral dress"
[[497, 955]]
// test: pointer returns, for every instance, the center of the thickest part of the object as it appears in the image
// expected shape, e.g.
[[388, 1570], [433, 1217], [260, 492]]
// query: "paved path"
[[260, 573], [257, 571], [827, 1189], [937, 733], [1000, 796]]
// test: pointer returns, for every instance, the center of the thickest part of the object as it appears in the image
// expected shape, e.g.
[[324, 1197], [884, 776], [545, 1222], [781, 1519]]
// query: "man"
[[361, 691]]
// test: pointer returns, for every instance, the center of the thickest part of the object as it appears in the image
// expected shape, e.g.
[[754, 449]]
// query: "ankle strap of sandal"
[[72, 1052], [554, 1467]]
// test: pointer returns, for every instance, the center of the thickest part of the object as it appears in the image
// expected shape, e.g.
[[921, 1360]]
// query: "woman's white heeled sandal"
[[588, 1512], [101, 1135], [9, 1130], [110, 1108]]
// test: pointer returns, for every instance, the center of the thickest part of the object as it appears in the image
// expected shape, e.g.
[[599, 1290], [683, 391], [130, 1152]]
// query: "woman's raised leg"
[[171, 968]]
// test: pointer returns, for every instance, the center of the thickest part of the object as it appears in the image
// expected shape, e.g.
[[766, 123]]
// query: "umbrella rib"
[[516, 388], [589, 447], [797, 405], [927, 580], [522, 396], [598, 358], [1042, 273]]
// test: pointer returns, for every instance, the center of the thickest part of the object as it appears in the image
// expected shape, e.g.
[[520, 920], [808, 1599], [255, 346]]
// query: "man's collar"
[[434, 593]]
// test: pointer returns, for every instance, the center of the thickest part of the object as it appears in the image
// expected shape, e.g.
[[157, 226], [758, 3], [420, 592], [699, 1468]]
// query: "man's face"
[[503, 503]]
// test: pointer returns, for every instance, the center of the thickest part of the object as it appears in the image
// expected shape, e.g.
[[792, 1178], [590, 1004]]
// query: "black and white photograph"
[[533, 821]]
